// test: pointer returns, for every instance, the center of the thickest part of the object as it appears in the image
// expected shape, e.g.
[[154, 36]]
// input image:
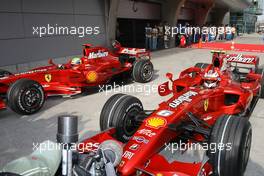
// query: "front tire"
[[25, 97], [120, 112], [142, 71], [235, 134]]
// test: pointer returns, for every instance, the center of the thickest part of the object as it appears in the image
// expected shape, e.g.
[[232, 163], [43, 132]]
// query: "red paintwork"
[[146, 158], [2, 104], [70, 79]]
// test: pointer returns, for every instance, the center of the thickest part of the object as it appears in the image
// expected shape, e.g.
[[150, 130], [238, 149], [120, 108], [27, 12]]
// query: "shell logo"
[[156, 122], [91, 76]]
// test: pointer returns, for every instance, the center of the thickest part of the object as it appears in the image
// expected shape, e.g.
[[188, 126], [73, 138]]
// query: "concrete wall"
[[17, 17], [143, 10]]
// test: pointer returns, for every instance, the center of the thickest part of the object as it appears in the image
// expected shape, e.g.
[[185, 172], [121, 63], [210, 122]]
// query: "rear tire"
[[120, 112], [142, 70], [25, 97], [4, 73], [235, 134]]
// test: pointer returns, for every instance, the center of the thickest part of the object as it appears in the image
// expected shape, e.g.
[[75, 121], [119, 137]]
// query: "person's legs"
[[150, 43], [146, 43], [154, 47]]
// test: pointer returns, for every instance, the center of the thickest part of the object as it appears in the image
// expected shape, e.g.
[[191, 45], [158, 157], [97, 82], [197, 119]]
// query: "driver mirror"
[[169, 76]]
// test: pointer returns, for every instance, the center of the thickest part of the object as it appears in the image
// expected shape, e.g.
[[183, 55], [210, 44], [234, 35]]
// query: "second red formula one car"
[[202, 130], [25, 92]]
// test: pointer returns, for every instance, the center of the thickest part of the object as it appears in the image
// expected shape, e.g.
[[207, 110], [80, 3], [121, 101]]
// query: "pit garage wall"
[[23, 50]]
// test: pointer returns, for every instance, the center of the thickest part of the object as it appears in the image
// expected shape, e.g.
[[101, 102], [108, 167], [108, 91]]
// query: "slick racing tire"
[[142, 71], [120, 112], [4, 73], [105, 121], [25, 97], [261, 71], [201, 65], [231, 137]]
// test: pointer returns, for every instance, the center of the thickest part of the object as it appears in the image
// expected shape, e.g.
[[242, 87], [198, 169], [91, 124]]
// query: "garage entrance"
[[132, 18], [131, 32]]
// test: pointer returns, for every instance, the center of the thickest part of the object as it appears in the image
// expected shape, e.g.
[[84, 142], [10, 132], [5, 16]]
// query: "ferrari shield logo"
[[206, 104], [48, 77]]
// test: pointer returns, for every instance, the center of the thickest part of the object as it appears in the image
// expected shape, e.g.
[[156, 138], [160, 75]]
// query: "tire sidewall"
[[15, 96], [138, 70], [237, 132], [23, 107], [123, 114]]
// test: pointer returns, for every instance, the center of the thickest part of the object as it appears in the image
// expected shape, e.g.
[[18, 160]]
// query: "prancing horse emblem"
[[206, 104], [48, 77]]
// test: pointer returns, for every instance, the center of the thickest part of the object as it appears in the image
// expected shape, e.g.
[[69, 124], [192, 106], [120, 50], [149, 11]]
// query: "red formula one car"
[[203, 128], [25, 92]]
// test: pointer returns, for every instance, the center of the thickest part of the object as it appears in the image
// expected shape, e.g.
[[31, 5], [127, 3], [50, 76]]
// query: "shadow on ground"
[[25, 133]]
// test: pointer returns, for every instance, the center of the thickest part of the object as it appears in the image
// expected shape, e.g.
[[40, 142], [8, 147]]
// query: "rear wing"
[[242, 59]]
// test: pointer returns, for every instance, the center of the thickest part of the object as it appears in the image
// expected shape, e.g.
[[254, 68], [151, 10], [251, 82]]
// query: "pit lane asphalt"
[[18, 133]]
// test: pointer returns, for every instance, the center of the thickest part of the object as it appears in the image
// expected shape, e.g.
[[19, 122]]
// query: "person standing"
[[148, 35], [160, 36], [233, 32], [154, 37]]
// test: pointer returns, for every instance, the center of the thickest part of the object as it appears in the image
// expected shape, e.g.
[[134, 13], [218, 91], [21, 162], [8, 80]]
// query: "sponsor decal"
[[186, 97], [146, 132], [140, 139], [94, 55], [91, 76], [156, 122], [206, 104], [30, 72], [48, 77], [134, 147], [239, 58], [208, 118], [164, 113], [128, 155]]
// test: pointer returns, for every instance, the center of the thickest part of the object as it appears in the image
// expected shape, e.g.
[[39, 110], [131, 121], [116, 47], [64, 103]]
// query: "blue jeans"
[[154, 43], [148, 43]]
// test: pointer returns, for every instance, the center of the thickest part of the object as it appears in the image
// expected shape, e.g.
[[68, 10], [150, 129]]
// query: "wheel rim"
[[246, 150], [147, 71], [31, 98], [130, 125]]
